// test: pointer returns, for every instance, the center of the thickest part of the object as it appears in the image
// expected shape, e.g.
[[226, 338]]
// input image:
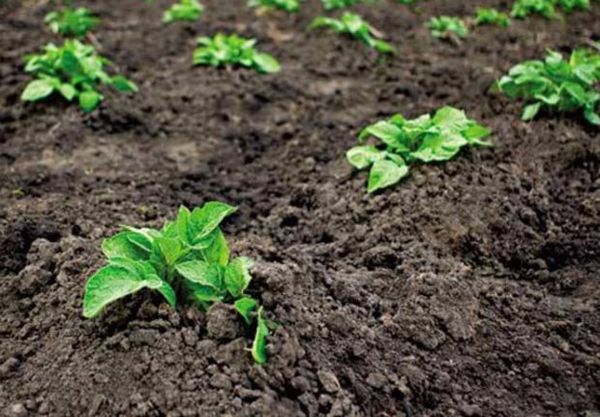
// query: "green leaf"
[[531, 111], [201, 273], [171, 249], [89, 100], [169, 293], [245, 306], [109, 284], [363, 156], [68, 91], [123, 245], [206, 219], [218, 250], [266, 63], [385, 173], [182, 224], [237, 276], [387, 132], [37, 90], [259, 345], [123, 84]]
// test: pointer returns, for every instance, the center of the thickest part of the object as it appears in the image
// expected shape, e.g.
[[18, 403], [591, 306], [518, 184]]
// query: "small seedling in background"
[[446, 27], [186, 261], [290, 6], [571, 5], [186, 10], [406, 1], [523, 8], [228, 50], [356, 27], [403, 142], [72, 22], [555, 83], [489, 16], [338, 4], [75, 71]]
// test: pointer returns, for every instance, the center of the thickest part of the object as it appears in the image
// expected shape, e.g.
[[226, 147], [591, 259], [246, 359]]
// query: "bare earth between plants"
[[469, 289]]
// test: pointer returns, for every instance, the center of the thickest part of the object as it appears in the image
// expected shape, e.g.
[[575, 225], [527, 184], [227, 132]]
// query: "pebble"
[[329, 381]]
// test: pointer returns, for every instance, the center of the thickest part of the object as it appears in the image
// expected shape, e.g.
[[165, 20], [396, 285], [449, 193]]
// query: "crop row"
[[187, 260]]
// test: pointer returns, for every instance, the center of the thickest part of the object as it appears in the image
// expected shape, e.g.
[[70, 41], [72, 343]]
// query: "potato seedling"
[[446, 27], [403, 142], [356, 27], [571, 5], [73, 70], [489, 16], [546, 8], [228, 50], [338, 4], [555, 83], [185, 10], [290, 6], [71, 22], [186, 261]]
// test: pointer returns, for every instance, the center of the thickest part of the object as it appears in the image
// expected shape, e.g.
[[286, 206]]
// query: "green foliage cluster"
[[338, 4], [355, 26], [546, 8], [225, 50], [290, 6], [556, 83], [75, 71], [187, 261], [445, 26], [402, 142], [490, 16], [186, 10], [71, 22]]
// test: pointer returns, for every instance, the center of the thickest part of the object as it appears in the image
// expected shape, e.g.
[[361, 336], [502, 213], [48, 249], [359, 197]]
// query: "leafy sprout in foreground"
[[71, 22], [556, 83], [290, 6], [187, 261], [75, 71], [403, 142], [226, 50], [490, 16], [185, 10], [355, 26], [447, 26]]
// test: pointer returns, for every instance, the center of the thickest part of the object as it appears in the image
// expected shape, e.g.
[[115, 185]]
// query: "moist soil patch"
[[470, 289]]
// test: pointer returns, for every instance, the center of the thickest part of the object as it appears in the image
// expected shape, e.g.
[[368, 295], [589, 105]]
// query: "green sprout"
[[72, 22], [74, 70], [290, 6], [186, 261], [490, 16], [555, 83], [523, 8], [227, 50], [446, 27], [356, 27], [571, 5], [338, 4], [403, 142], [186, 10]]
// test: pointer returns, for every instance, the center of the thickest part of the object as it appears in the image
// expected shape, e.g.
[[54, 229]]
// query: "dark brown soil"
[[471, 289]]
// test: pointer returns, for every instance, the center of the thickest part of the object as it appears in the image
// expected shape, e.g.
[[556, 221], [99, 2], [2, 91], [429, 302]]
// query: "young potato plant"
[[490, 16], [290, 6], [72, 22], [187, 261], [228, 50], [355, 26], [73, 70], [338, 4], [185, 10], [547, 8], [403, 142], [557, 84], [446, 27]]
